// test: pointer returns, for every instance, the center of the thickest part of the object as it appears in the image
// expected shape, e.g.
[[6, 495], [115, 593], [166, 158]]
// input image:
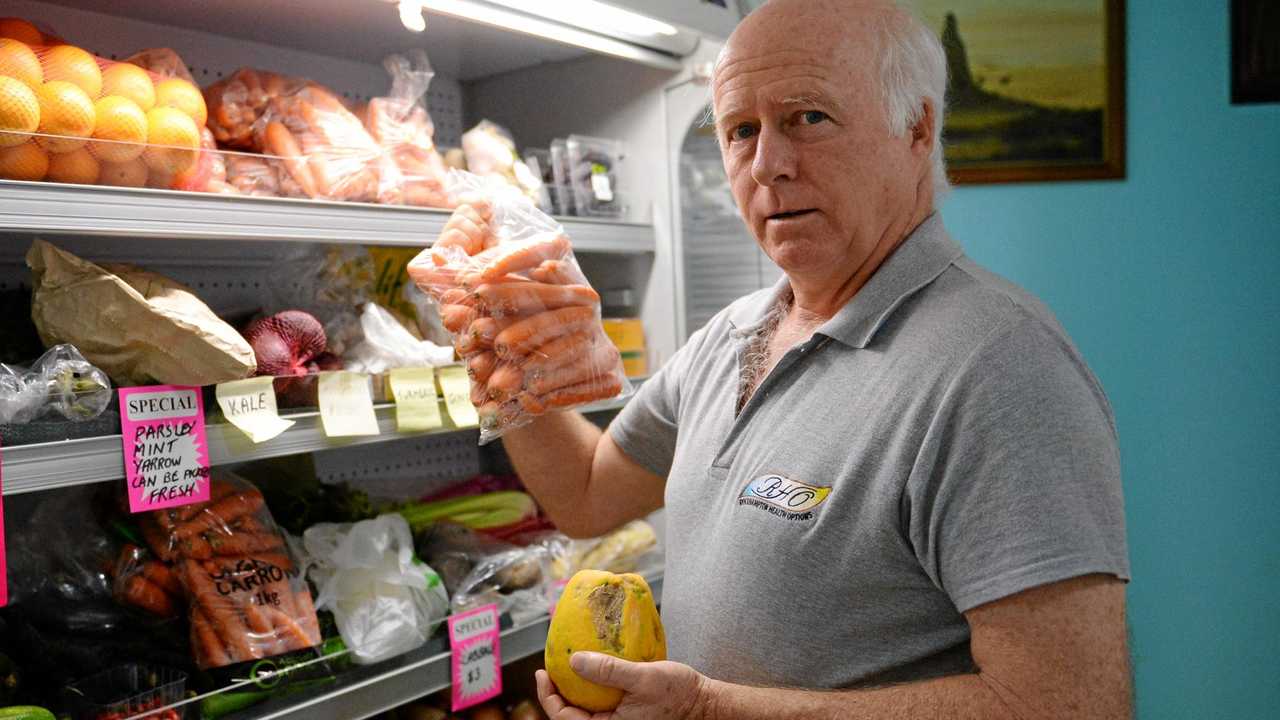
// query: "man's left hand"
[[651, 691]]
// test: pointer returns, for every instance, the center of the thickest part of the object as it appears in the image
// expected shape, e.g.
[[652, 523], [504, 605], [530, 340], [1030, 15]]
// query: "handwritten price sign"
[[166, 455], [476, 665]]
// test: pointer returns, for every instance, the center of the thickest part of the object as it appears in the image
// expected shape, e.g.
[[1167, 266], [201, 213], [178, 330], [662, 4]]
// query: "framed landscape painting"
[[1036, 89]]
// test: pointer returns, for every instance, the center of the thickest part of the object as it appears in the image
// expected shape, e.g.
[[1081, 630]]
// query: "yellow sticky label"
[[251, 406], [456, 388], [417, 404], [346, 408]]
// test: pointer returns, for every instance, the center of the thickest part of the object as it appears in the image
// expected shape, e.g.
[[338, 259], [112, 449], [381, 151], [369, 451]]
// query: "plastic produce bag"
[[400, 124], [385, 601], [479, 570], [77, 118], [322, 148], [61, 381], [620, 551], [388, 345], [247, 597], [524, 317], [136, 325], [490, 151]]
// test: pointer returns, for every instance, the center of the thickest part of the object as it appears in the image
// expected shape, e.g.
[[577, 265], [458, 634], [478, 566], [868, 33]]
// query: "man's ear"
[[922, 137]]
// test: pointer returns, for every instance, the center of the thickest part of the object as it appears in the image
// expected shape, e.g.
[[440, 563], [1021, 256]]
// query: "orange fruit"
[[78, 166], [121, 120], [169, 130], [65, 110], [23, 162], [70, 63], [129, 81], [19, 111], [180, 94], [132, 173], [19, 61], [19, 29]]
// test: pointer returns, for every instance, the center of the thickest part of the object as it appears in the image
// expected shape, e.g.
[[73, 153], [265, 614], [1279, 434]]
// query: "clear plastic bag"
[[491, 152], [479, 570], [401, 125], [524, 317], [247, 597], [621, 551], [322, 148], [60, 382], [387, 345], [385, 601]]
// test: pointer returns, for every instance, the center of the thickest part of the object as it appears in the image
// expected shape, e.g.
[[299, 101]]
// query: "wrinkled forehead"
[[792, 58]]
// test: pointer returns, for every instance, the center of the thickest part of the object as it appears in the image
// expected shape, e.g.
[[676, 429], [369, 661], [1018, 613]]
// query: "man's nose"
[[775, 159]]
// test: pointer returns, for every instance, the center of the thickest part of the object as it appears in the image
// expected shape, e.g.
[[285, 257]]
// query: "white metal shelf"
[[379, 688], [53, 209], [51, 465]]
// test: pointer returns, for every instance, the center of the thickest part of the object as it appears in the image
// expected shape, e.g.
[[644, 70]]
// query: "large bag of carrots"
[[319, 149], [524, 318], [245, 593]]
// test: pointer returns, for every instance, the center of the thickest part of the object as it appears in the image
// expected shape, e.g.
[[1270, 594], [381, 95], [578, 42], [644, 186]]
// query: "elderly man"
[[891, 483]]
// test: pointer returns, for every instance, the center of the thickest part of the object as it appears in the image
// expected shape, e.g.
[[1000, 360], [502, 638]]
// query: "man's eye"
[[812, 117], [742, 132]]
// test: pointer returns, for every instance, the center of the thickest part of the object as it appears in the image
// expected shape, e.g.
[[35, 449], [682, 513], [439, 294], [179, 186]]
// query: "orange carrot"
[[457, 296], [210, 652], [480, 366], [219, 515], [469, 281], [529, 333], [433, 279], [158, 541], [527, 255], [560, 351], [160, 574], [243, 543], [533, 297], [603, 360], [599, 388], [479, 393], [486, 329], [556, 272], [455, 318], [291, 635], [218, 489], [305, 611], [506, 381], [467, 229], [146, 595]]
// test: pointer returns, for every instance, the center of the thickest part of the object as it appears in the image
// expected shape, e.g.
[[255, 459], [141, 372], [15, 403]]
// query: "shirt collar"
[[926, 252]]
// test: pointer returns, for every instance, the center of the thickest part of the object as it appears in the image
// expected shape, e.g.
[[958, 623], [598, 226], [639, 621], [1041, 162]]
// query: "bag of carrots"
[[246, 596], [524, 318]]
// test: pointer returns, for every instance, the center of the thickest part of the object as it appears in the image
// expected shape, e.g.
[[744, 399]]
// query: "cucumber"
[[25, 712]]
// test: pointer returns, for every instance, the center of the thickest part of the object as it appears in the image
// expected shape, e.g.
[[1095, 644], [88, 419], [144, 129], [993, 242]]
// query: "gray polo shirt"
[[936, 445]]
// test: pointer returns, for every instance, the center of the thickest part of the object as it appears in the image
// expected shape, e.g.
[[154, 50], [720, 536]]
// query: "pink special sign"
[[166, 455], [476, 665], [4, 568]]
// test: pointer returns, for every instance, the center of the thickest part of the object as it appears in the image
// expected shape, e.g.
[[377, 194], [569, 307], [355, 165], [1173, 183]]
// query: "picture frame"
[[1255, 51], [1036, 89]]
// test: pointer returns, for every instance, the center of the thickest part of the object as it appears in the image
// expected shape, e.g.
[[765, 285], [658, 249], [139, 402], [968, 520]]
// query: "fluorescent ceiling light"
[[592, 15], [411, 15], [506, 19]]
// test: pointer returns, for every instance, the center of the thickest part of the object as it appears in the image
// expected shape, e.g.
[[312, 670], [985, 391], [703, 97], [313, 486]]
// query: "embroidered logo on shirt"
[[783, 497]]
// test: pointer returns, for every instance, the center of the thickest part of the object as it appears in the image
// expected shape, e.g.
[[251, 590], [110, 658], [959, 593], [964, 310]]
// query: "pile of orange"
[[67, 116]]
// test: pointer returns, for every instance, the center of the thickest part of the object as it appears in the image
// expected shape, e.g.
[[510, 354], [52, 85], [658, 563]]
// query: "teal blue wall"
[[1170, 283]]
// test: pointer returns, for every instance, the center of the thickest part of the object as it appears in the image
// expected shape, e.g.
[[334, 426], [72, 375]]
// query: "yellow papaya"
[[606, 613]]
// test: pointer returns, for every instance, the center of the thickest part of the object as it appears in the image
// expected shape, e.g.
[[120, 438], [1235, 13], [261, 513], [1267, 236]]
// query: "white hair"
[[913, 70]]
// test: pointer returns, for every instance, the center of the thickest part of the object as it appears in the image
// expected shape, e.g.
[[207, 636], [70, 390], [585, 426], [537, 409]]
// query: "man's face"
[[806, 146]]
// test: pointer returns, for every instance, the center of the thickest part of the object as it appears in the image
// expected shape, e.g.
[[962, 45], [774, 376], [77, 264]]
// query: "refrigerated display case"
[[539, 78]]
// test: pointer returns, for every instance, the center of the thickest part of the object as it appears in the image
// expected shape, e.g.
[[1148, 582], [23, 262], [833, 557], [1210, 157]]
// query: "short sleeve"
[[1017, 483], [646, 428]]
